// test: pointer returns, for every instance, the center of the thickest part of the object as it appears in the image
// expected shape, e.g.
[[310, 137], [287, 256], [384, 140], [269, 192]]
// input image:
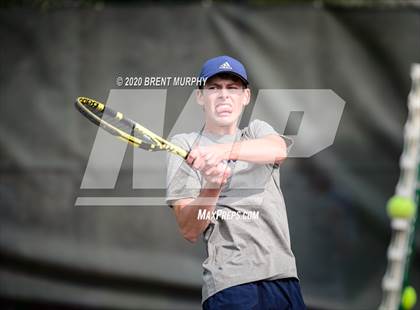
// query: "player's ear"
[[199, 96], [247, 96]]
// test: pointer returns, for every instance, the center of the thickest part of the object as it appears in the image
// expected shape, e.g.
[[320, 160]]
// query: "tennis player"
[[228, 190]]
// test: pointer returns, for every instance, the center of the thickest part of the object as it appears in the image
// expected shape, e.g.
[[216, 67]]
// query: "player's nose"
[[223, 92]]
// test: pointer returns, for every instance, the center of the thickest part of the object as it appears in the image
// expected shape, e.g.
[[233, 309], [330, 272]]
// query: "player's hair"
[[225, 76]]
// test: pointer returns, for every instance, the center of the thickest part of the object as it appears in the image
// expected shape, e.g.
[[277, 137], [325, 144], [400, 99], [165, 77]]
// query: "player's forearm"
[[267, 150], [192, 225]]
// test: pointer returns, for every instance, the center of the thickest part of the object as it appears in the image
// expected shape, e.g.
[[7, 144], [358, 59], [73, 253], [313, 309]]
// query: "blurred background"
[[58, 256]]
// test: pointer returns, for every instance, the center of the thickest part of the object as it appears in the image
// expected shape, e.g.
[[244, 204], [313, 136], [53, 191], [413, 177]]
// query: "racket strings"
[[126, 129], [145, 138], [127, 126]]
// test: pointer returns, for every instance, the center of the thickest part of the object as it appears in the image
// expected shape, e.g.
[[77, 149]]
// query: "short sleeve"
[[259, 129], [181, 180]]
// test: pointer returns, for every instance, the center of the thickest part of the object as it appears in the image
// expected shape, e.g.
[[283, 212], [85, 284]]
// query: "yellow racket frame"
[[160, 144]]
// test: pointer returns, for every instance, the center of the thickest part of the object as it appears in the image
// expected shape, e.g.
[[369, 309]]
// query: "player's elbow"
[[191, 239], [189, 235], [278, 148], [281, 151], [280, 156]]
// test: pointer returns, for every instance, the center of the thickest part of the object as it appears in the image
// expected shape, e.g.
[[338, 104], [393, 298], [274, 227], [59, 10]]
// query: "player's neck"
[[221, 130]]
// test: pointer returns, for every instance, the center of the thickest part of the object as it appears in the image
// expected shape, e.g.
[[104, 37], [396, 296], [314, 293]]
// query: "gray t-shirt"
[[254, 245]]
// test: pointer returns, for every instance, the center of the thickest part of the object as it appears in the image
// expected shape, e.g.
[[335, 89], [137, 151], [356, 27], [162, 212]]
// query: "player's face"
[[223, 101]]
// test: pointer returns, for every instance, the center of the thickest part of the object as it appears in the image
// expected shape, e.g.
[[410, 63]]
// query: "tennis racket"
[[124, 128]]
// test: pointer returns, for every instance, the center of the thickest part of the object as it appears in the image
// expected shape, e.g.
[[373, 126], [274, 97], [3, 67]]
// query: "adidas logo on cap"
[[225, 65]]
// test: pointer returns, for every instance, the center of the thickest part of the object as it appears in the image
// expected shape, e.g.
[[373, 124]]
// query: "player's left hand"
[[211, 163]]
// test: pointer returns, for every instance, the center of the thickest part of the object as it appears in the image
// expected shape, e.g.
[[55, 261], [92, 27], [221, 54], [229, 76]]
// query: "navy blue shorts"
[[259, 295]]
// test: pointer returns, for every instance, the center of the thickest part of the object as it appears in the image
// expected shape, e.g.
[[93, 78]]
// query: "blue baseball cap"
[[223, 64]]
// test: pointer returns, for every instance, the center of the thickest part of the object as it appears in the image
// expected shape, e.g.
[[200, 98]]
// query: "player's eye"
[[234, 89], [211, 90]]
